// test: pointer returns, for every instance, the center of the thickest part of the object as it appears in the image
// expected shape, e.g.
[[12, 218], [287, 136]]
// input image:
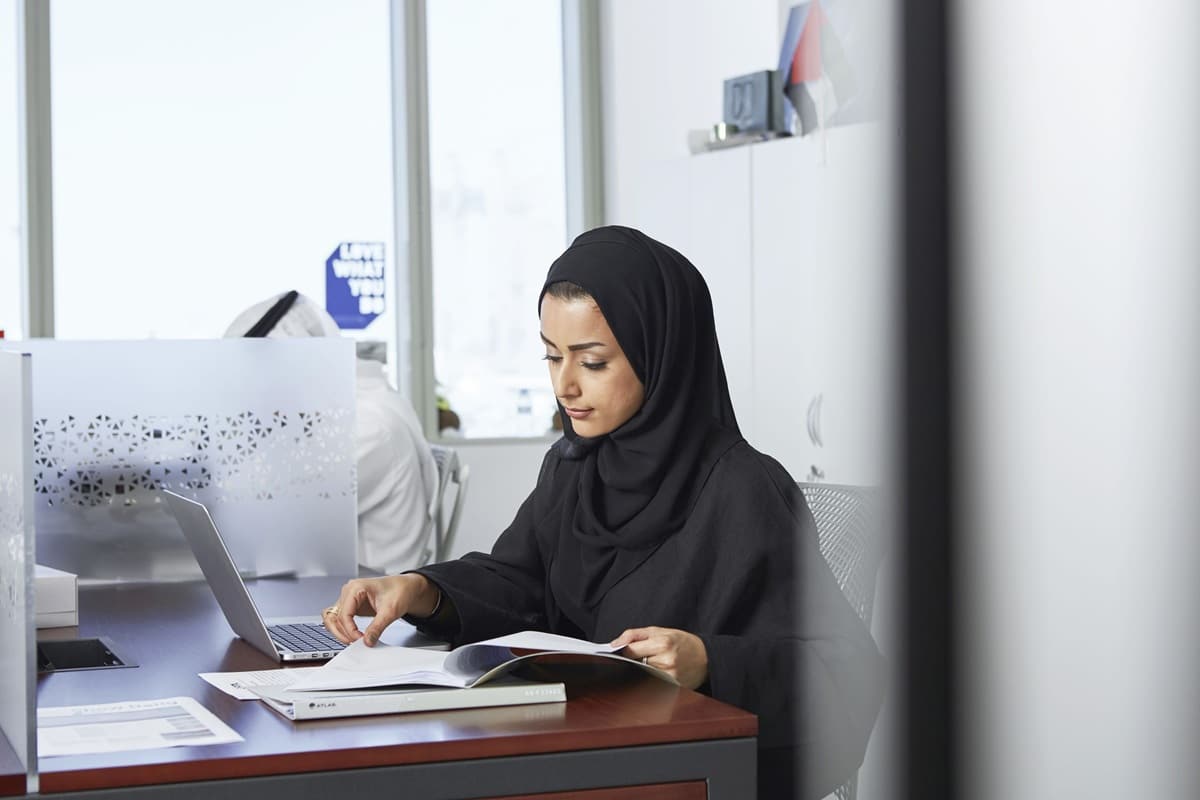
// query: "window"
[[10, 197], [207, 155], [210, 154], [498, 205]]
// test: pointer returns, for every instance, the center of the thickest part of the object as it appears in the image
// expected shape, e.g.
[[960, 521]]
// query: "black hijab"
[[636, 486]]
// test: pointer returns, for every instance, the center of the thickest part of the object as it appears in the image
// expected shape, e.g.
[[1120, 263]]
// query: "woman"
[[654, 524]]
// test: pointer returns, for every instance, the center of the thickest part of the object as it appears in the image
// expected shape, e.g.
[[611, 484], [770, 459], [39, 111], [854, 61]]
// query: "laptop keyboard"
[[301, 638]]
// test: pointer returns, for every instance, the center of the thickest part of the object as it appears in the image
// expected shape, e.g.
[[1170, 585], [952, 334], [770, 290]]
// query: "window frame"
[[583, 173], [36, 195]]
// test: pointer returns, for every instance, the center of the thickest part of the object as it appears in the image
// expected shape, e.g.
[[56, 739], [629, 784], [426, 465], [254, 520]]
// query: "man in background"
[[397, 475]]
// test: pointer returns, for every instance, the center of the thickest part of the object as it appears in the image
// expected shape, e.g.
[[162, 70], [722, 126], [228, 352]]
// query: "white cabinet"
[[795, 238], [699, 206], [824, 266]]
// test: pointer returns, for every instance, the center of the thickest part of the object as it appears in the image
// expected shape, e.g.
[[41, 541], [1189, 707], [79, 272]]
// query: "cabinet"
[[796, 240]]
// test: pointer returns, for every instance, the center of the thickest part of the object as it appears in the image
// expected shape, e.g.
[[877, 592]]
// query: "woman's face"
[[592, 378]]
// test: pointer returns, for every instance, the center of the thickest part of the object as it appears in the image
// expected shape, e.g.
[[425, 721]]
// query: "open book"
[[359, 666]]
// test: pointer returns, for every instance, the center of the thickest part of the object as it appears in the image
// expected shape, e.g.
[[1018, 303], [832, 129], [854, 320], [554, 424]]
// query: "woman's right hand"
[[386, 599]]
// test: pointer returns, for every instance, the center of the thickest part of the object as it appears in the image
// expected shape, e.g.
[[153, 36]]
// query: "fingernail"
[[371, 638]]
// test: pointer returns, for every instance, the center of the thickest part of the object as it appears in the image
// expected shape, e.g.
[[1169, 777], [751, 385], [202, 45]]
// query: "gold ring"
[[330, 610]]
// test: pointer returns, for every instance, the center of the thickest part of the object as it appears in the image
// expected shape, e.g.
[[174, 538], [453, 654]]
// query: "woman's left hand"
[[678, 653]]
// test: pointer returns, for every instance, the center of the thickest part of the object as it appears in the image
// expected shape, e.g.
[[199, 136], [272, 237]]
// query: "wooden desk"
[[632, 732]]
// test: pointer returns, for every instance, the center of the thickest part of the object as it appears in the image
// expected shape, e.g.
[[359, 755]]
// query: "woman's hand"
[[387, 599], [678, 653]]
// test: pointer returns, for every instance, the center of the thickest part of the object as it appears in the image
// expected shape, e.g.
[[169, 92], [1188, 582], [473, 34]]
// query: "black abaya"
[[674, 520], [744, 574]]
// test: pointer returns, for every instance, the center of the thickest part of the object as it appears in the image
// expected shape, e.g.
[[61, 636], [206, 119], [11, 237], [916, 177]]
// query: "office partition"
[[260, 430], [18, 712]]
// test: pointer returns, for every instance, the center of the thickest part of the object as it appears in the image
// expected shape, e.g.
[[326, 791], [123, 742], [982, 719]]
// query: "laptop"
[[291, 639]]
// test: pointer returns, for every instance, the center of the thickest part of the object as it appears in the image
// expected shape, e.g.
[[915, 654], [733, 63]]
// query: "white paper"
[[134, 725], [475, 659], [359, 666], [239, 684], [539, 640]]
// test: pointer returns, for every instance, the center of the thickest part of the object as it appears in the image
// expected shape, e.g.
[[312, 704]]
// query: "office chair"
[[848, 534], [449, 471]]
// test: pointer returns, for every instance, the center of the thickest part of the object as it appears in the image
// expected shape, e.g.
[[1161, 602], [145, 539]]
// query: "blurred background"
[[965, 270]]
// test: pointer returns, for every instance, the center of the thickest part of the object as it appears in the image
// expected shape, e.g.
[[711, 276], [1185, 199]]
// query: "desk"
[[632, 732]]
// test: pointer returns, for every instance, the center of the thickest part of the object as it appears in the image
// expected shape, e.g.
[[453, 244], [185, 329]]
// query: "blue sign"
[[354, 285]]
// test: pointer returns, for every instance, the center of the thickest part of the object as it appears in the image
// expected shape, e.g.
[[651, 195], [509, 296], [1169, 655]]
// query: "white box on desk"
[[56, 598]]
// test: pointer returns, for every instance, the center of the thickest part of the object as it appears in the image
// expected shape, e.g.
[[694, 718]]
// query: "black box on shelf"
[[754, 102]]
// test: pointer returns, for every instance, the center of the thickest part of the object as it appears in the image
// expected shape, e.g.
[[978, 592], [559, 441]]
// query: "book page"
[[242, 685], [359, 666], [473, 660]]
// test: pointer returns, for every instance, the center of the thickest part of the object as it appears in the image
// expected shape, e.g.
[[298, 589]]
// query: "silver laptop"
[[292, 639]]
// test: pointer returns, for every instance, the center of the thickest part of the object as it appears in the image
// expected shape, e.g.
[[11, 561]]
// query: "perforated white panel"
[[17, 661], [260, 430]]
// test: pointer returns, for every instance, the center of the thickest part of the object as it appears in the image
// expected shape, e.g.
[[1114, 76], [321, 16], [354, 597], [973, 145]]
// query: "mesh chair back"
[[450, 471], [847, 520]]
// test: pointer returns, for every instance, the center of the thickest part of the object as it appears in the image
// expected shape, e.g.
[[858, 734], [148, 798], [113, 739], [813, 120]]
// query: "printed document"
[[134, 725], [242, 685]]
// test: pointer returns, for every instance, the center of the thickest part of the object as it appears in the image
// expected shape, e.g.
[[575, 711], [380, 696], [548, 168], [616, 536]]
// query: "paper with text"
[[132, 725], [242, 684]]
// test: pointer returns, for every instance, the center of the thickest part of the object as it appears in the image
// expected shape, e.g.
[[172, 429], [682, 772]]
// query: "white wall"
[[663, 65], [502, 476]]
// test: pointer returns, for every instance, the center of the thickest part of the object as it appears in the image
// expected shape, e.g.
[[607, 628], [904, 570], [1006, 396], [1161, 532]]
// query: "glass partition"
[[260, 430], [17, 661]]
